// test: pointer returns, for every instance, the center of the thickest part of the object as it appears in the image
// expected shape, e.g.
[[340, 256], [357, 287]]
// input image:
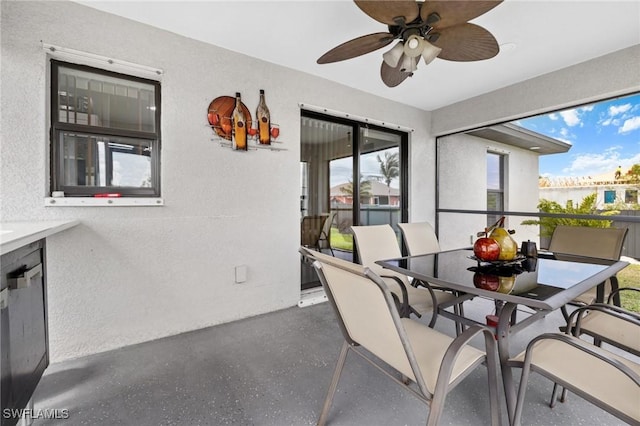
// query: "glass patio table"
[[543, 284]]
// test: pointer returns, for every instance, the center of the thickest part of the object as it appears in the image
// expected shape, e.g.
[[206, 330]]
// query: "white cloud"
[[595, 164], [586, 108], [553, 116], [610, 121], [570, 117], [617, 109], [630, 125], [565, 134]]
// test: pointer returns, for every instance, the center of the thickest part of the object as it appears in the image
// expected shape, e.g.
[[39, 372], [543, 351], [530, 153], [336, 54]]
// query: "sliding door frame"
[[356, 127]]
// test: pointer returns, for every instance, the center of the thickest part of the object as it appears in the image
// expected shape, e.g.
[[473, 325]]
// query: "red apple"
[[214, 119], [486, 281], [486, 249]]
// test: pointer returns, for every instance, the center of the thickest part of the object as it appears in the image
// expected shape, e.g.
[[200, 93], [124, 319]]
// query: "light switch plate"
[[241, 274]]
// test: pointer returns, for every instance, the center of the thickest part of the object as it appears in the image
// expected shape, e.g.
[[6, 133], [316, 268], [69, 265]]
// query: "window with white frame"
[[105, 132]]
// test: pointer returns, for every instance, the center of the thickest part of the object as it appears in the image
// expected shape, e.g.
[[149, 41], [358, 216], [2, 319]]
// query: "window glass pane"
[[609, 197], [105, 161], [494, 171], [304, 188], [100, 100], [494, 203], [631, 196], [495, 188], [380, 178]]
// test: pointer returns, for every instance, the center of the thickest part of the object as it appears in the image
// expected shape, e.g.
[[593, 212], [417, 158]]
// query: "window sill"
[[102, 202]]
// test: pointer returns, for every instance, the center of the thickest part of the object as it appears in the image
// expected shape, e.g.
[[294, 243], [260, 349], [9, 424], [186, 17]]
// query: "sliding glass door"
[[343, 161]]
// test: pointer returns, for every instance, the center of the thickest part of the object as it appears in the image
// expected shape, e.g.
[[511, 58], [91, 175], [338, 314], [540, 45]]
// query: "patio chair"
[[379, 242], [609, 324], [433, 363], [419, 238], [616, 327], [607, 380], [325, 236], [604, 243], [311, 230]]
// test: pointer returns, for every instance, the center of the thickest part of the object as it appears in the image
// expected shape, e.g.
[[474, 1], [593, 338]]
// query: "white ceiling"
[[548, 35]]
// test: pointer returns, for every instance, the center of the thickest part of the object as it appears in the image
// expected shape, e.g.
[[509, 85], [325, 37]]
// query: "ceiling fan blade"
[[386, 11], [356, 47], [393, 76], [466, 42], [456, 12]]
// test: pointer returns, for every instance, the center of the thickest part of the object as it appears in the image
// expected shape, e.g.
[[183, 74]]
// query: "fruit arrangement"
[[495, 243]]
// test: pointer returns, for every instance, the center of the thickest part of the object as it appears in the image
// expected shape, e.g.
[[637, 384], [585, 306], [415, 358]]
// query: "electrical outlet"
[[241, 274]]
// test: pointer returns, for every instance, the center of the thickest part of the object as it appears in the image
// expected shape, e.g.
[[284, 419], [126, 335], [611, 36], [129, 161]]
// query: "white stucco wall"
[[131, 274], [463, 186], [128, 275], [576, 194]]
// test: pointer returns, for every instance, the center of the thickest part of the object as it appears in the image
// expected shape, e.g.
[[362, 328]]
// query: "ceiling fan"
[[426, 29]]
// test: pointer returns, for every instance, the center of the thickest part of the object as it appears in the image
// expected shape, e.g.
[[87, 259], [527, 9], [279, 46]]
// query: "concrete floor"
[[272, 369]]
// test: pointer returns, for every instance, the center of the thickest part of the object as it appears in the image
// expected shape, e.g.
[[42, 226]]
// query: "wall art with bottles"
[[234, 127]]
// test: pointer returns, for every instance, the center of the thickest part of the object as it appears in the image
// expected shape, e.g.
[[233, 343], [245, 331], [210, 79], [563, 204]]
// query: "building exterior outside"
[[378, 194], [612, 193]]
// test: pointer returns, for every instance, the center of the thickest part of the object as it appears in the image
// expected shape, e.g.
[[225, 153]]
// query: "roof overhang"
[[517, 136]]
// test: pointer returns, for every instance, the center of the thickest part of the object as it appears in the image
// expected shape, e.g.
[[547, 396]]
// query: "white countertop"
[[14, 235]]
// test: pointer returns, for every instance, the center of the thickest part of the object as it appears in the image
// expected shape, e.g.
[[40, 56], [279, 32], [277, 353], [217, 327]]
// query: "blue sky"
[[603, 136]]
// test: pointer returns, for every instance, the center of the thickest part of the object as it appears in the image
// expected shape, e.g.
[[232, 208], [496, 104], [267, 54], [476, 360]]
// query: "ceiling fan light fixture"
[[392, 57], [430, 52], [414, 45], [408, 64]]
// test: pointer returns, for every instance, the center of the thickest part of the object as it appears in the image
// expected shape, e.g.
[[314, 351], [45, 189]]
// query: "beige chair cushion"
[[366, 316], [589, 374], [420, 238], [605, 243], [613, 328], [429, 347], [369, 322], [379, 242]]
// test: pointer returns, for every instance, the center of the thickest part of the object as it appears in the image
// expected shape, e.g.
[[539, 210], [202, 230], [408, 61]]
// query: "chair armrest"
[[462, 340], [620, 290], [404, 306], [583, 346], [614, 311], [452, 352]]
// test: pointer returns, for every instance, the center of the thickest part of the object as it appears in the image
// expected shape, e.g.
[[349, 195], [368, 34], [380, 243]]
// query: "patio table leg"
[[502, 333]]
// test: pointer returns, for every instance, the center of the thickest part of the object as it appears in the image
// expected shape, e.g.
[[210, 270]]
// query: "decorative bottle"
[[239, 126], [264, 121]]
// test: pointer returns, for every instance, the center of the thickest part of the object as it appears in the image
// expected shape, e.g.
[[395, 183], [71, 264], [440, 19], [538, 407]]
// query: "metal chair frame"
[[418, 387], [581, 345]]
